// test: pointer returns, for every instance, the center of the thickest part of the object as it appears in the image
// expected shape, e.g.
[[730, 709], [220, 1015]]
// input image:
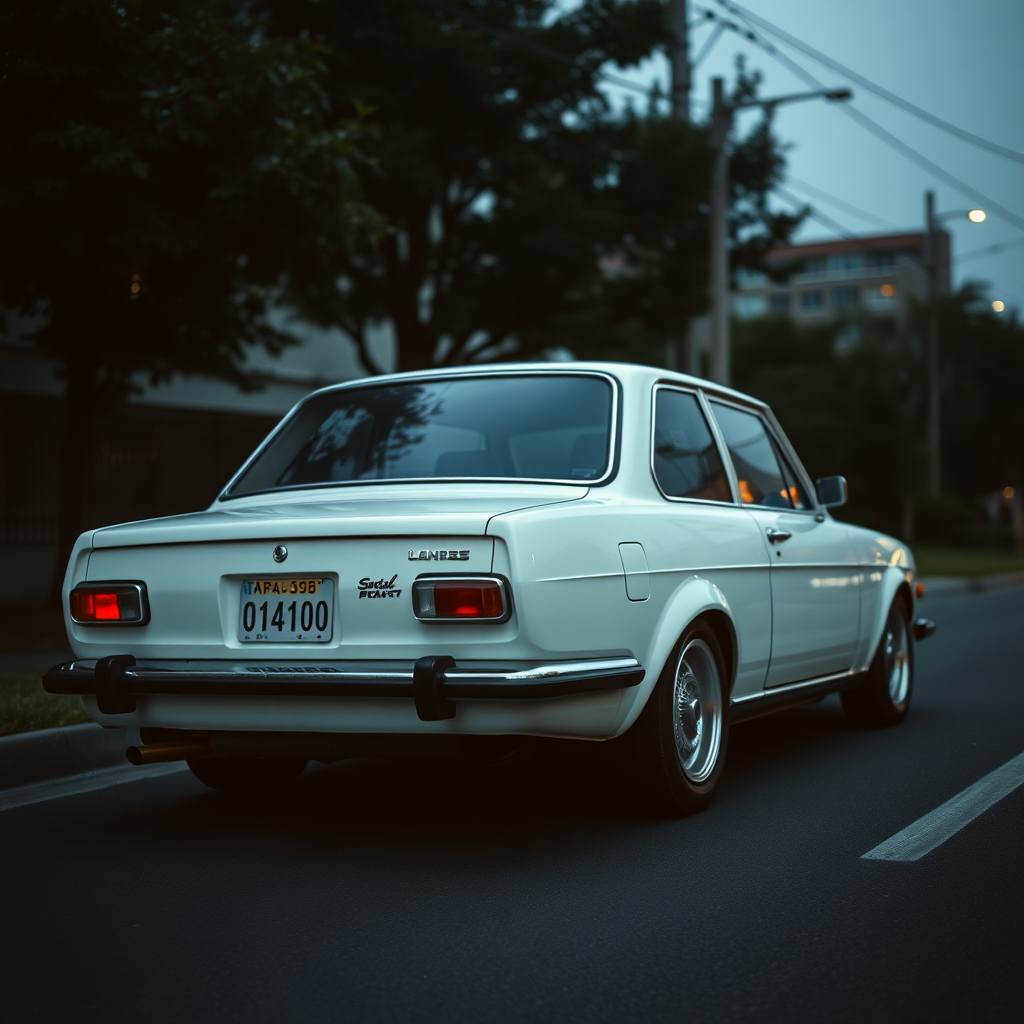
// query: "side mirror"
[[831, 490]]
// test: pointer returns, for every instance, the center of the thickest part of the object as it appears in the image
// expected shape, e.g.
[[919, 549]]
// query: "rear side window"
[[763, 476], [686, 459]]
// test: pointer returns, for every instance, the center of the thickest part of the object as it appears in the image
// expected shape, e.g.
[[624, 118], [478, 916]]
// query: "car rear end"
[[345, 595]]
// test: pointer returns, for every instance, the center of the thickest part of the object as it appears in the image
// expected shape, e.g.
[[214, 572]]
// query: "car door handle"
[[778, 536]]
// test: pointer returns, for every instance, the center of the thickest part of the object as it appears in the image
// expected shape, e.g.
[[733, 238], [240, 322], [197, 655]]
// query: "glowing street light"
[[999, 305], [932, 220]]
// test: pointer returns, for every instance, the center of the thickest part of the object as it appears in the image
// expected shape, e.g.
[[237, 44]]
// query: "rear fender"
[[694, 597]]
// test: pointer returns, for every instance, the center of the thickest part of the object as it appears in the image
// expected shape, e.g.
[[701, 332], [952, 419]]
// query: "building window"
[[780, 302], [844, 262], [881, 259], [812, 303], [846, 297], [747, 307], [815, 265]]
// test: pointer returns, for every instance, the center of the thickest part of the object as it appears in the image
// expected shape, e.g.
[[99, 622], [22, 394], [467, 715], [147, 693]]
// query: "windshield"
[[527, 427]]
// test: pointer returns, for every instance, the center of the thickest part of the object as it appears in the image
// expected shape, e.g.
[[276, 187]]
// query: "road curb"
[[57, 753]]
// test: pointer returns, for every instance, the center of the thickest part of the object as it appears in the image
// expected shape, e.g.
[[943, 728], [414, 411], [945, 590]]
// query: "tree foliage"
[[861, 410], [526, 213], [162, 166]]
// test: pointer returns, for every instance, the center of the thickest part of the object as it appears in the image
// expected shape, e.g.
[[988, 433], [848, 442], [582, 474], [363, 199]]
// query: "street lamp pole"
[[933, 353], [722, 111], [931, 263]]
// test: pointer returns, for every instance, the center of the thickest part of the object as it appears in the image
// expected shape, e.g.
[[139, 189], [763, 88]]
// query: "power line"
[[989, 250], [821, 218], [887, 137], [878, 90], [839, 204]]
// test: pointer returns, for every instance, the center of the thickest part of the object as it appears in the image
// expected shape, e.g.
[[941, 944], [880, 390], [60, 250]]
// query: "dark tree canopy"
[[162, 165], [525, 213]]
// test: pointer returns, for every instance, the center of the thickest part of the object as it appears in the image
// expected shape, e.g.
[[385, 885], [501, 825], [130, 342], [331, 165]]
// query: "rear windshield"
[[542, 427]]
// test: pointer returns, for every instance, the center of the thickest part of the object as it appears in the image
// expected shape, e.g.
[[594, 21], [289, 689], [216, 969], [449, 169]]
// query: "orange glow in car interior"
[[1008, 493], [887, 290], [745, 496]]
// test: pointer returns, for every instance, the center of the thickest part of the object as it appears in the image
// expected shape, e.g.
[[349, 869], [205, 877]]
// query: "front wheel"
[[248, 775], [882, 698], [683, 731]]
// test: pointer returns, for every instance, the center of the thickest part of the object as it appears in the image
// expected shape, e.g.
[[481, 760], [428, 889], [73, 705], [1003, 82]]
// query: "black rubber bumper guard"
[[434, 683]]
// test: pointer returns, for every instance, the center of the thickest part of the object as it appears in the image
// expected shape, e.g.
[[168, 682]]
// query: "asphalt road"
[[380, 891]]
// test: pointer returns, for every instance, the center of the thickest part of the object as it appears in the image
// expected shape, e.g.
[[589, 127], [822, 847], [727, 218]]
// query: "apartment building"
[[878, 276]]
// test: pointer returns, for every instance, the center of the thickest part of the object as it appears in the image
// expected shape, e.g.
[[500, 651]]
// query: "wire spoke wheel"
[[697, 711]]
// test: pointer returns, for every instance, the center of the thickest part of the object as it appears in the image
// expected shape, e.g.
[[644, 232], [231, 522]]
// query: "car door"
[[814, 576], [704, 531]]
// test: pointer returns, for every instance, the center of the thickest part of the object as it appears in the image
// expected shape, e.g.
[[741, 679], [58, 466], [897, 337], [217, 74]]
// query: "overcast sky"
[[962, 60]]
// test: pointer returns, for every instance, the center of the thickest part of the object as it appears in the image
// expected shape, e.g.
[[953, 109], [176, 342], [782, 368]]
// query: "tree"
[[163, 168], [526, 213], [983, 396], [846, 412]]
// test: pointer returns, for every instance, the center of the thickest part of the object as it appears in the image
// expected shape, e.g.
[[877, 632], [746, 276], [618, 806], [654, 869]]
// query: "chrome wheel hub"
[[697, 711], [897, 657]]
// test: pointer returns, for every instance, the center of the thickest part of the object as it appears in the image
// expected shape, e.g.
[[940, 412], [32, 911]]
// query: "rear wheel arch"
[[725, 632]]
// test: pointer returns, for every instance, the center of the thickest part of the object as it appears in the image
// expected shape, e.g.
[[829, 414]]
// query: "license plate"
[[294, 610]]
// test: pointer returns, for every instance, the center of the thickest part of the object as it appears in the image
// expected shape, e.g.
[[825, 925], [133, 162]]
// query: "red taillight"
[[122, 603], [106, 607], [461, 598]]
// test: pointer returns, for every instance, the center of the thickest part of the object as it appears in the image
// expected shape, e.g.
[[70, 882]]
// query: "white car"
[[441, 560]]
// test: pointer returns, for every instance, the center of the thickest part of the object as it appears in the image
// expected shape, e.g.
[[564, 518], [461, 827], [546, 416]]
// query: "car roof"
[[625, 372]]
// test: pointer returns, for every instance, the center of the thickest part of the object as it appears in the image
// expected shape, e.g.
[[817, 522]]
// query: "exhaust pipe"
[[155, 753]]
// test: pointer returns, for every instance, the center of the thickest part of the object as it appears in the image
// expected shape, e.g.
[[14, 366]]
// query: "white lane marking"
[[937, 826], [87, 782]]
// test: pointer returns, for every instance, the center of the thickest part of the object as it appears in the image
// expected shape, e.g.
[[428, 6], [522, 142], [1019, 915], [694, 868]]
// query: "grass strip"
[[26, 706], [946, 560]]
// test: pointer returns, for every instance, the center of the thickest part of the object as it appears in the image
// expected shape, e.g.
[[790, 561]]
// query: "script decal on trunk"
[[378, 588]]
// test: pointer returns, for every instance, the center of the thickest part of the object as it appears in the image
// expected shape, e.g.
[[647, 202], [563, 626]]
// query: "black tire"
[[675, 784], [247, 775], [882, 698]]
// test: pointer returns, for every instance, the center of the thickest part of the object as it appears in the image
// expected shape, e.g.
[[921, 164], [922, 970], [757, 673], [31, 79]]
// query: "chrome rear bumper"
[[434, 683]]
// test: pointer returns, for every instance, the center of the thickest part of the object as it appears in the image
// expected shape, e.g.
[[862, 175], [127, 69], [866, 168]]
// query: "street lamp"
[[722, 111], [931, 262]]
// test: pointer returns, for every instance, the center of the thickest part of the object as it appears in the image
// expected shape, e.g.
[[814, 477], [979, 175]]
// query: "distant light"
[[136, 287], [999, 306], [977, 216], [1007, 493], [887, 290]]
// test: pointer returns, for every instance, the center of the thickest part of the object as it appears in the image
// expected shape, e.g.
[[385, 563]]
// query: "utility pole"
[[677, 349], [718, 228], [679, 57], [931, 264], [722, 111]]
